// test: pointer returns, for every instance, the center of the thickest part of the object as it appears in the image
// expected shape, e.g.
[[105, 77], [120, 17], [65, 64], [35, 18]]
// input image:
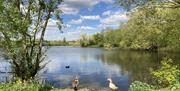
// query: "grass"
[[31, 86], [69, 89], [18, 86]]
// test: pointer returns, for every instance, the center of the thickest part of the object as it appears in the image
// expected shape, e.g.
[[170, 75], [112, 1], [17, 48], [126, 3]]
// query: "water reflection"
[[5, 71], [87, 63], [95, 65]]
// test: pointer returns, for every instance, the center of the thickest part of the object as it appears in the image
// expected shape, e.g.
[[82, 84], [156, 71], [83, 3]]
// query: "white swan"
[[112, 86]]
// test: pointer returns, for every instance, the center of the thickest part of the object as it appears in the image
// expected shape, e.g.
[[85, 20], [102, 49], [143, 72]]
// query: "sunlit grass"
[[31, 86]]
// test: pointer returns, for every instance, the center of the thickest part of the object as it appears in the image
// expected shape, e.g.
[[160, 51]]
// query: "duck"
[[112, 86], [75, 83], [67, 67]]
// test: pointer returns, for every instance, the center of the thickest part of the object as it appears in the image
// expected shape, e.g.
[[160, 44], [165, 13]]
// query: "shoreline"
[[128, 49]]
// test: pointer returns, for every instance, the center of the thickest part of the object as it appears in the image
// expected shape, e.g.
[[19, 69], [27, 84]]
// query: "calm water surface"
[[94, 65]]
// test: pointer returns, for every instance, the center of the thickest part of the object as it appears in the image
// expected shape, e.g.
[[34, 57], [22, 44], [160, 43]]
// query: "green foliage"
[[130, 4], [56, 43], [167, 78], [167, 75], [24, 86], [31, 86], [86, 41], [98, 39], [149, 27], [175, 86], [64, 40], [20, 23], [140, 86]]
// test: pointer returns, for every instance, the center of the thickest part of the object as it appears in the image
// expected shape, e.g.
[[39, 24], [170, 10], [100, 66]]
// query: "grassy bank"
[[18, 86], [31, 86]]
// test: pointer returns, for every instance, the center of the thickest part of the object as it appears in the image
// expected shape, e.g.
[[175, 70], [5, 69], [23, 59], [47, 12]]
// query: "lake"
[[94, 65]]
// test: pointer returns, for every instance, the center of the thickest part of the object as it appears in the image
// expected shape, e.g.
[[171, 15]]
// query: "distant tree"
[[84, 40], [98, 39], [64, 40], [20, 23]]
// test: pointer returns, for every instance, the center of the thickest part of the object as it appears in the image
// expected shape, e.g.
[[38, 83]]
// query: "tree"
[[20, 23], [64, 40], [130, 4], [149, 27], [98, 39], [84, 41], [152, 23]]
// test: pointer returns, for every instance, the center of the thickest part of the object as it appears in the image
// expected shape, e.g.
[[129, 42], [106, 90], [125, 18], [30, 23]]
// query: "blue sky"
[[85, 17]]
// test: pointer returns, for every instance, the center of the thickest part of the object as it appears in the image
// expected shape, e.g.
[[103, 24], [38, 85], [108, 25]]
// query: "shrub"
[[140, 86], [175, 86], [167, 74]]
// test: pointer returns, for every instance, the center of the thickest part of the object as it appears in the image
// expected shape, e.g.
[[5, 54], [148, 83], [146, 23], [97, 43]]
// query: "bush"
[[167, 78], [175, 86], [140, 86], [167, 75]]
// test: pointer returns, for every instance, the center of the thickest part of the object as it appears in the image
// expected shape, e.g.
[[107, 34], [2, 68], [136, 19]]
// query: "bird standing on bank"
[[112, 86], [75, 83]]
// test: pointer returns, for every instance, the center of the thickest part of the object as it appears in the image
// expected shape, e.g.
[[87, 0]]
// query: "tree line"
[[151, 26]]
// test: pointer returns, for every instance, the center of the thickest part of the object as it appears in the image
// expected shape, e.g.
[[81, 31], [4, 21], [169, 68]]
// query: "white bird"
[[112, 86]]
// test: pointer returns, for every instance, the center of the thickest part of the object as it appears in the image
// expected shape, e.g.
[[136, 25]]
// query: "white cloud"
[[78, 21], [74, 6], [114, 19], [85, 28], [81, 3], [106, 13], [82, 18], [109, 12], [52, 23], [68, 10], [107, 1], [75, 32], [90, 17], [66, 25]]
